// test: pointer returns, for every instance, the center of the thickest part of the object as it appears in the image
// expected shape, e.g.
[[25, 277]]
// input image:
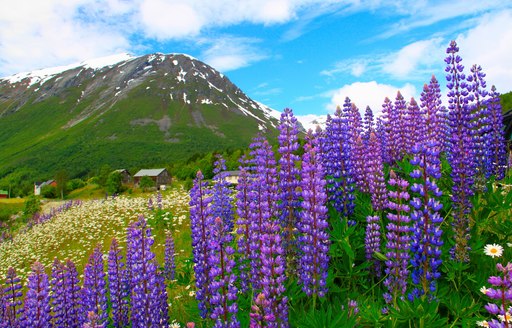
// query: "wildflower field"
[[399, 221]]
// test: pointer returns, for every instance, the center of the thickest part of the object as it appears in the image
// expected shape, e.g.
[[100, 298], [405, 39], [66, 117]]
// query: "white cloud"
[[166, 20], [414, 59], [489, 44], [229, 53], [41, 34], [371, 94]]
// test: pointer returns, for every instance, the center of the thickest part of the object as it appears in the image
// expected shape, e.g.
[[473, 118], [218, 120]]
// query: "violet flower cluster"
[[13, 299], [372, 243], [375, 173], [398, 239], [200, 223], [243, 202], [289, 195], [221, 201], [118, 285], [426, 232], [501, 291], [495, 144], [169, 255], [313, 240], [263, 195], [94, 288], [145, 311], [223, 292], [36, 309], [337, 165], [434, 121], [460, 151], [275, 311]]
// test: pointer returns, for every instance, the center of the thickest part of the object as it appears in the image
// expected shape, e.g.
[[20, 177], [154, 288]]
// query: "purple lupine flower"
[[415, 126], [289, 196], [399, 126], [501, 292], [76, 316], [272, 284], [259, 318], [66, 295], [460, 152], [200, 223], [375, 173], [263, 205], [3, 306], [93, 321], [170, 262], [162, 307], [144, 302], [426, 232], [222, 279], [151, 206], [480, 118], [368, 123], [386, 131], [37, 301], [359, 166], [313, 240], [59, 297], [13, 296], [221, 198], [244, 225], [435, 125], [159, 200], [398, 239], [496, 153], [118, 285], [372, 242], [95, 289], [335, 149]]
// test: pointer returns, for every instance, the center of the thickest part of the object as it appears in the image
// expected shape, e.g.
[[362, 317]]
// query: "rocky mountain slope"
[[124, 111]]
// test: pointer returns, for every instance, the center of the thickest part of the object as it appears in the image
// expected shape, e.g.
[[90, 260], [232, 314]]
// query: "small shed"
[[126, 177], [4, 194], [159, 176], [231, 176]]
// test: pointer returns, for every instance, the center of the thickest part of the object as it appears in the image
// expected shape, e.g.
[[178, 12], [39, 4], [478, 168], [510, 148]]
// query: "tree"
[[105, 171], [61, 178], [114, 182], [146, 182]]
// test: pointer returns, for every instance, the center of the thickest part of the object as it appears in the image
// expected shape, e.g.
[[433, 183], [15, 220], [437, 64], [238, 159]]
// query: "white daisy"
[[484, 290], [482, 323], [493, 250]]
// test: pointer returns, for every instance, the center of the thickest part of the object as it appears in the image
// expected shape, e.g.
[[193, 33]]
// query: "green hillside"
[[138, 120]]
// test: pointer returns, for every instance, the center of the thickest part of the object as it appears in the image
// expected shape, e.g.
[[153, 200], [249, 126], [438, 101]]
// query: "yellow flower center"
[[494, 250]]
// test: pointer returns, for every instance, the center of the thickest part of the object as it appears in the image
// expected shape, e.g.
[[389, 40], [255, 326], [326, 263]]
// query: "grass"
[[9, 207]]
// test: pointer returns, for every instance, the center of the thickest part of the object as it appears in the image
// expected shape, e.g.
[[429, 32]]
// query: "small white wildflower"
[[484, 290], [493, 250]]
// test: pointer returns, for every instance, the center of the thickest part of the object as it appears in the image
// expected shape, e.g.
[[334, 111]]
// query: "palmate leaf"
[[420, 313]]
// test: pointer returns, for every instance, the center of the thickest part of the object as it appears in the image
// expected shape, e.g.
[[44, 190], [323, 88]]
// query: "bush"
[[75, 184], [49, 192], [32, 205]]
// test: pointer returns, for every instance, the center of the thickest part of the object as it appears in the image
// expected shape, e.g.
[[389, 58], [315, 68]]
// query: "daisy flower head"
[[507, 317], [482, 323], [484, 290], [493, 250]]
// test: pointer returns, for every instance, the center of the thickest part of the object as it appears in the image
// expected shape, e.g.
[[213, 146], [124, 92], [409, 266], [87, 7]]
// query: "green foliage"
[[103, 174], [32, 206], [146, 183], [506, 101], [49, 192], [114, 182], [74, 184]]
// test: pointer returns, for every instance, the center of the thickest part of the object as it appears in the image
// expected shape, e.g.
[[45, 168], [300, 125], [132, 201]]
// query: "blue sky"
[[304, 54]]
